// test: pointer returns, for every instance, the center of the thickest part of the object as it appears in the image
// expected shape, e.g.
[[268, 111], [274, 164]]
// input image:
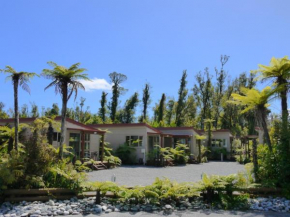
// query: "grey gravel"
[[207, 213], [143, 175]]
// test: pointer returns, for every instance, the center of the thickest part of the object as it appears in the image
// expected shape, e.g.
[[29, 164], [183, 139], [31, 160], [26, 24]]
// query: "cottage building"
[[84, 140]]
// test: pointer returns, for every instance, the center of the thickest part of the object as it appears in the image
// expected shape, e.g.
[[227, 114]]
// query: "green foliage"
[[268, 169], [113, 160], [82, 167], [181, 103], [109, 157], [103, 109], [63, 175], [127, 114], [216, 153], [161, 109], [146, 101], [238, 202], [204, 153], [38, 166], [117, 90], [126, 153], [180, 153], [163, 191]]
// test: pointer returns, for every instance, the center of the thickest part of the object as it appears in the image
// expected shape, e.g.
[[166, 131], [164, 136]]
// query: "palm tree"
[[257, 101], [199, 138], [66, 81], [279, 72], [18, 79]]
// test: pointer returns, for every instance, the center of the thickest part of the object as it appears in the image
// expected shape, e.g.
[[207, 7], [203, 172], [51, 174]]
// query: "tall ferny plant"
[[18, 79], [66, 82]]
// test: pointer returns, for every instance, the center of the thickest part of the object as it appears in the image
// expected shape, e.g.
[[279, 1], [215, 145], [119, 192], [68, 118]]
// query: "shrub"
[[126, 153], [216, 153], [180, 153], [36, 164], [164, 191], [113, 160], [268, 171], [63, 175]]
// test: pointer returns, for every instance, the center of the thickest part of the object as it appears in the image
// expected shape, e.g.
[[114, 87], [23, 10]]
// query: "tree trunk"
[[10, 145], [63, 118], [103, 148], [16, 113], [199, 151], [284, 136], [265, 128], [255, 160]]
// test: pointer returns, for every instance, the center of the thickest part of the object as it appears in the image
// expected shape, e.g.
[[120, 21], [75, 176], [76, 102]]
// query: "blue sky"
[[149, 41]]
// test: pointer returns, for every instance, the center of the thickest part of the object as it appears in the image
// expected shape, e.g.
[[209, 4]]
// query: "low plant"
[[217, 190], [204, 152], [216, 153], [237, 202], [126, 153], [180, 153], [82, 167], [113, 160]]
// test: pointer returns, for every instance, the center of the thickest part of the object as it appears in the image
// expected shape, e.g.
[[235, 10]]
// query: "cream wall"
[[223, 135], [190, 132], [116, 136]]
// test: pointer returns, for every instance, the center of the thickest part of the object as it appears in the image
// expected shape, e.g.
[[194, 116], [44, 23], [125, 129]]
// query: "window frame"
[[140, 138]]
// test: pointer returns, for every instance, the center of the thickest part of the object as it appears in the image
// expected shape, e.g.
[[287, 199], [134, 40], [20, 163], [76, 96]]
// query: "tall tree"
[[66, 82], [257, 101], [24, 111], [117, 90], [146, 101], [3, 114], [279, 73], [169, 111], [189, 113], [82, 103], [103, 109], [18, 79], [161, 109], [219, 89], [203, 92], [34, 110], [127, 114], [54, 111], [182, 93]]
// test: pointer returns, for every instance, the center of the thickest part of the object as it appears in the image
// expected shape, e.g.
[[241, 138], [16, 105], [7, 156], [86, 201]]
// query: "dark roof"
[[214, 131], [175, 128], [125, 125], [58, 118]]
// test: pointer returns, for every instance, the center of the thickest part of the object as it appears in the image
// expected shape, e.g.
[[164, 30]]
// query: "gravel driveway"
[[143, 175]]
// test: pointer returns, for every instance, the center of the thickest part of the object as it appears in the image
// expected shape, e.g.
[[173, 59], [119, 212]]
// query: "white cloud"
[[96, 84]]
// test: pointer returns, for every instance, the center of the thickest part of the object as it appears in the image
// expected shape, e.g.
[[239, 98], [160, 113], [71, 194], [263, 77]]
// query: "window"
[[87, 142], [218, 143], [134, 141], [56, 137], [74, 142]]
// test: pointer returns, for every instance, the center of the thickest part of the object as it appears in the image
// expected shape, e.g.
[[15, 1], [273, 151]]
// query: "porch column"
[[103, 150], [82, 144], [162, 142]]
